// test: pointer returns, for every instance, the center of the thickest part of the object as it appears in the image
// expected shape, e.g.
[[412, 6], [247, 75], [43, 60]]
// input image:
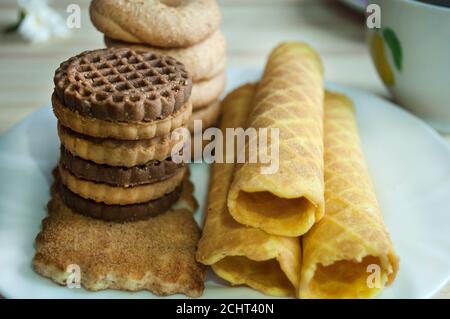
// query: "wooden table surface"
[[251, 27]]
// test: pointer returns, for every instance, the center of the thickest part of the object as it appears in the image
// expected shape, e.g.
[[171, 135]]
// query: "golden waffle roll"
[[345, 251], [237, 253], [289, 98]]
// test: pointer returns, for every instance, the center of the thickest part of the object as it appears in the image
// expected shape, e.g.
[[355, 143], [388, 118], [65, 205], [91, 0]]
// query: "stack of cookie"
[[116, 110], [186, 30]]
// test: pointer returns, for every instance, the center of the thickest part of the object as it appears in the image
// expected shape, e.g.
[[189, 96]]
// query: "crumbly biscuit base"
[[156, 254]]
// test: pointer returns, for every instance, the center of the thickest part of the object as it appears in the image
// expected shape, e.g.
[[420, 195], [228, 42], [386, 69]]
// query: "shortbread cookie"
[[157, 254], [203, 60], [117, 152], [118, 213], [160, 23], [151, 172], [205, 92], [209, 116], [121, 84], [117, 195], [119, 130]]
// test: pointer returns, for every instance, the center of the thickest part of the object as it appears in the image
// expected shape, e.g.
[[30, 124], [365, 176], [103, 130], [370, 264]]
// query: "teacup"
[[411, 52]]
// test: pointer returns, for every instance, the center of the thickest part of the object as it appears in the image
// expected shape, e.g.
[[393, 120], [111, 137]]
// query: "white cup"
[[411, 52]]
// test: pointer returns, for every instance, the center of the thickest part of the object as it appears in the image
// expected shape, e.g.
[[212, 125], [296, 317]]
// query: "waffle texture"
[[121, 84], [237, 253], [352, 235], [289, 98]]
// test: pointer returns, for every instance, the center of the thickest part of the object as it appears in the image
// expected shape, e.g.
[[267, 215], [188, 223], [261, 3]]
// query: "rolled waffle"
[[237, 253], [121, 84], [352, 236], [289, 98]]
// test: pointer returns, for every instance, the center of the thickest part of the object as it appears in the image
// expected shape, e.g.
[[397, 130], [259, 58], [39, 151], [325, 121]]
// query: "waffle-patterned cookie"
[[121, 84], [118, 213], [151, 172], [114, 152], [117, 195]]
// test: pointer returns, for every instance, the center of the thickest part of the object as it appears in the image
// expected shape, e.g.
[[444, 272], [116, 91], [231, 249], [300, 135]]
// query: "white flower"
[[40, 22]]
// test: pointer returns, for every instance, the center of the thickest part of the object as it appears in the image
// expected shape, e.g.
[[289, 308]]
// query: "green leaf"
[[13, 27], [394, 45]]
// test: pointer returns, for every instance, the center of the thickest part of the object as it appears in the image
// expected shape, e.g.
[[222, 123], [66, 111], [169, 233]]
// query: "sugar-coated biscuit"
[[203, 60], [206, 92], [160, 23], [209, 116]]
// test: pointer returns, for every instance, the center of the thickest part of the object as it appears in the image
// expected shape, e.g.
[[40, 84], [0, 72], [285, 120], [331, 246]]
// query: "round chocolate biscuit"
[[118, 213], [151, 172], [121, 84]]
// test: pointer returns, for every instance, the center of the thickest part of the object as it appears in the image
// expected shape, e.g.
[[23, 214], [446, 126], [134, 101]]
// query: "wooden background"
[[252, 28]]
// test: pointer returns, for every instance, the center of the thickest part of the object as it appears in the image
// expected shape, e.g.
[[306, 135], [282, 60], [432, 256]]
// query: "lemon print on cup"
[[379, 56]]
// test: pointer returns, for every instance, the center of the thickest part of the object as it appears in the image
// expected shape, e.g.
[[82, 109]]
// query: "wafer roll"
[[237, 253], [344, 251], [289, 98]]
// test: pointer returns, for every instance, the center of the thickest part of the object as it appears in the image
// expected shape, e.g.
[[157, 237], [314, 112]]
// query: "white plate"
[[409, 164]]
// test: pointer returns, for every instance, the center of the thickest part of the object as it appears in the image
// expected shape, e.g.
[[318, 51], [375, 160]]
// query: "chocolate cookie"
[[120, 84], [117, 152], [118, 213], [151, 172]]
